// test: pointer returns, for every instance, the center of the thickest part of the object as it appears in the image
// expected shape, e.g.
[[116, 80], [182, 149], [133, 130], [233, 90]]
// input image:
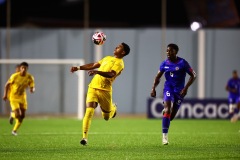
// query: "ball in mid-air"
[[99, 38]]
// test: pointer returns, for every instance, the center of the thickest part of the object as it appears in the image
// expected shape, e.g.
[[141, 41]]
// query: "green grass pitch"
[[120, 139]]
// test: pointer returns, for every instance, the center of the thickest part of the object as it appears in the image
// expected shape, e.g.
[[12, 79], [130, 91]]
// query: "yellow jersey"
[[19, 84], [108, 64]]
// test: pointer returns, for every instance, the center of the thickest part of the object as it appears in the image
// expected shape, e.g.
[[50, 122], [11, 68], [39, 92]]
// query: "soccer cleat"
[[234, 118], [11, 120], [83, 141], [114, 115], [14, 133], [165, 139]]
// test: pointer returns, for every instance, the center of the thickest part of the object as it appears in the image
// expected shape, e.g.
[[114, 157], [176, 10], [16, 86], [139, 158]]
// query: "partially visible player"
[[233, 88], [17, 69], [100, 88], [175, 69], [17, 85]]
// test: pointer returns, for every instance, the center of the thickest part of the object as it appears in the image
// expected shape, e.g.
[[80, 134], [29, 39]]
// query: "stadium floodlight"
[[197, 23], [195, 26]]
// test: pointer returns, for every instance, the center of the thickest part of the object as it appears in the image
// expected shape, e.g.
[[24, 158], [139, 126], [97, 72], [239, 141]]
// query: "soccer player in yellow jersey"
[[17, 69], [100, 88], [17, 85]]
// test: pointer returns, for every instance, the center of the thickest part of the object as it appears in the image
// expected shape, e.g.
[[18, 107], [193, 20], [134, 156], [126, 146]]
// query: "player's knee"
[[167, 110], [22, 116], [106, 116], [17, 115], [232, 108]]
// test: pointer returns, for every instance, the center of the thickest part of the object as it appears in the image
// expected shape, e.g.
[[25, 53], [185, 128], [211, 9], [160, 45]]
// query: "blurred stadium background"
[[62, 29]]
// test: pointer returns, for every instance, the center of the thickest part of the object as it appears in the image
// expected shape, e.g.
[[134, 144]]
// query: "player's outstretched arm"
[[89, 66], [110, 74]]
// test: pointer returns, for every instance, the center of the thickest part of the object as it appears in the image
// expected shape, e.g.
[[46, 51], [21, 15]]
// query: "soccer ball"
[[99, 38]]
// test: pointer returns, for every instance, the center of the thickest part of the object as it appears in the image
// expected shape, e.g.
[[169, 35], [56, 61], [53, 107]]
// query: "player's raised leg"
[[110, 114]]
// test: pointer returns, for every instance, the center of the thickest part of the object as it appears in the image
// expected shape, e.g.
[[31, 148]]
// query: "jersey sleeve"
[[31, 81], [162, 67], [100, 61], [188, 68], [12, 78]]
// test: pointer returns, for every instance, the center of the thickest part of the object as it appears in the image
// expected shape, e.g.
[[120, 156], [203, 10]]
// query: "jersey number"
[[168, 94]]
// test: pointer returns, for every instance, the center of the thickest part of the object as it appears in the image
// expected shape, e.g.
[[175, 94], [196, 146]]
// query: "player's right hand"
[[73, 69], [5, 98], [153, 93]]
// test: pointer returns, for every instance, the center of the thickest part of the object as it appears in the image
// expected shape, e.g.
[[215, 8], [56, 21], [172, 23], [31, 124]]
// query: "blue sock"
[[165, 123], [236, 110]]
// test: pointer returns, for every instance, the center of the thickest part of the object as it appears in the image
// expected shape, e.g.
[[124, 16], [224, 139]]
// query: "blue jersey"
[[175, 73], [234, 84]]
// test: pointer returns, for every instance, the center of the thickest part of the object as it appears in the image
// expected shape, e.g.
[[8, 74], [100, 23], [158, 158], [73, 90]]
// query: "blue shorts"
[[170, 95], [233, 99]]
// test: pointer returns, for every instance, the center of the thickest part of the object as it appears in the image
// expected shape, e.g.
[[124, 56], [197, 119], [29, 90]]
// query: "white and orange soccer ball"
[[99, 38]]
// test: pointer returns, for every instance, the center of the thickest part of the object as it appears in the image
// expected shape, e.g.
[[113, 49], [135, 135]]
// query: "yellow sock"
[[87, 121], [108, 116], [13, 114], [17, 125], [113, 110]]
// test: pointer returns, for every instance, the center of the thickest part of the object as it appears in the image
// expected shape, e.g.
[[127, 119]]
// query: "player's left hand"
[[92, 72], [183, 93], [73, 69], [153, 93], [32, 90]]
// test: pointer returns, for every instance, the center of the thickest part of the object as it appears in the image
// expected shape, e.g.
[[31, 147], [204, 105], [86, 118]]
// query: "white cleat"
[[165, 139], [14, 133]]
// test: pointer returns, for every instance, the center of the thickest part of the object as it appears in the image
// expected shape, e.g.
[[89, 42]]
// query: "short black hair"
[[24, 64], [126, 48], [174, 46]]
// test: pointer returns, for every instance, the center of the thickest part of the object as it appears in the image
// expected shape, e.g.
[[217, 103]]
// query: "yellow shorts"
[[16, 104], [103, 98]]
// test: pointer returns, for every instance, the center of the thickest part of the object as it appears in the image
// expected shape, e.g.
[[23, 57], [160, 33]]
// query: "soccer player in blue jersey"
[[174, 91], [233, 88]]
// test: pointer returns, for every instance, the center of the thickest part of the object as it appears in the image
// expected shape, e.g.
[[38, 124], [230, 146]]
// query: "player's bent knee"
[[106, 116]]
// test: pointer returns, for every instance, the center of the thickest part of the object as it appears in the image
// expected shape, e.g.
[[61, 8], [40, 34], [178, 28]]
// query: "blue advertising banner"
[[192, 108]]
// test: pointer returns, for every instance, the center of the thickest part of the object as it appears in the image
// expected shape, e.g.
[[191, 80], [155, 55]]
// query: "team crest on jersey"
[[176, 68]]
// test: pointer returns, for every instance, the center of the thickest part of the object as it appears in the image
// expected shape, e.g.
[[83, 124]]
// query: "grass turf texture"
[[120, 139]]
